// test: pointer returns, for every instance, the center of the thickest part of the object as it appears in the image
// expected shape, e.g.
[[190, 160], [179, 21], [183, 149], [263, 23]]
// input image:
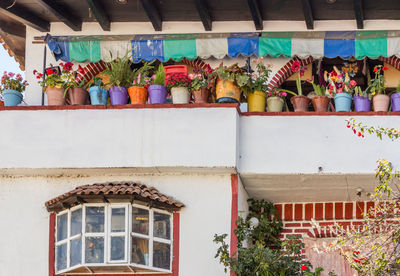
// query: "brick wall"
[[297, 217]]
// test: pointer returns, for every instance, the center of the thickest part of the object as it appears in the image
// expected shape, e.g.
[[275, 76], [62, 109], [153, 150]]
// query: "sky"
[[8, 63]]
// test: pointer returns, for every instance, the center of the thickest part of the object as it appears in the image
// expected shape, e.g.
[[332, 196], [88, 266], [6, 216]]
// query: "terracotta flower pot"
[[227, 92], [256, 101], [55, 96], [381, 102], [275, 104], [201, 95], [320, 103], [137, 94], [77, 96], [300, 103]]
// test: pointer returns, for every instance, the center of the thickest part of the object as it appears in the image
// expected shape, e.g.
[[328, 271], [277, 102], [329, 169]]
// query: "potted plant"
[[257, 86], [121, 75], [12, 86], [179, 85], [396, 99], [377, 88], [362, 100], [229, 82], [97, 91], [300, 103], [157, 91], [320, 99], [275, 100], [199, 87], [340, 85], [141, 81], [76, 92], [53, 82]]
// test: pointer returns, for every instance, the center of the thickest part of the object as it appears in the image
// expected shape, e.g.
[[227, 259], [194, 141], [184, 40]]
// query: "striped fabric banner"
[[358, 44]]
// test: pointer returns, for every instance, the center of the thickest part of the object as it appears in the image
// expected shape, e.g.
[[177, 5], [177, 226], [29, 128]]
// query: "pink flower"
[[284, 94], [11, 74], [353, 83]]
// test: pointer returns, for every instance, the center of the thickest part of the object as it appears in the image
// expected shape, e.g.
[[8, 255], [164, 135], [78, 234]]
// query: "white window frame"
[[128, 234]]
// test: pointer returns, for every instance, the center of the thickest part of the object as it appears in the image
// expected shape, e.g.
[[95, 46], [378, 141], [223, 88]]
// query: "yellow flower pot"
[[227, 92], [256, 101]]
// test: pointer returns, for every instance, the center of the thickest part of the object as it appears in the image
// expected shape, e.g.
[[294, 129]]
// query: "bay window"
[[113, 235]]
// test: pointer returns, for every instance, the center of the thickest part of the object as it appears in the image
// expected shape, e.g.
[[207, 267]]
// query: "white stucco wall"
[[243, 206], [125, 138], [24, 231], [302, 144]]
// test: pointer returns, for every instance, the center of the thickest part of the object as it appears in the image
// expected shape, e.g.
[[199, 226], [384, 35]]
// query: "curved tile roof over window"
[[104, 191]]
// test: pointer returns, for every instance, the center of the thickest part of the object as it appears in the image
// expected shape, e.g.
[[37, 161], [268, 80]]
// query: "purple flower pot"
[[362, 104], [157, 94], [118, 95], [396, 101]]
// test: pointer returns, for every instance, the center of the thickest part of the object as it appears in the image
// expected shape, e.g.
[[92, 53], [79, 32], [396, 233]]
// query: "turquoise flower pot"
[[12, 97], [342, 102], [98, 95]]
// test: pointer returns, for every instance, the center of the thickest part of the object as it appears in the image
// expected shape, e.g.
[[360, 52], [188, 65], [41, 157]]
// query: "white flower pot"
[[180, 95]]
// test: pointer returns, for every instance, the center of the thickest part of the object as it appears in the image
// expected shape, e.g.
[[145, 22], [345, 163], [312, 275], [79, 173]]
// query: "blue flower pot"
[[98, 95], [12, 97], [342, 102]]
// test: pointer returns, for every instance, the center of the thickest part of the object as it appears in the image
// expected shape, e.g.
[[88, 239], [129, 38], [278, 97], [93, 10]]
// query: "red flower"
[[356, 252], [303, 268], [385, 68], [375, 69], [296, 66], [357, 260], [359, 134], [49, 71], [34, 72], [354, 131]]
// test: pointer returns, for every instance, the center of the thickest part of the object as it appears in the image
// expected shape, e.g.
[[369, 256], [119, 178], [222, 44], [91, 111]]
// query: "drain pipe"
[[44, 70]]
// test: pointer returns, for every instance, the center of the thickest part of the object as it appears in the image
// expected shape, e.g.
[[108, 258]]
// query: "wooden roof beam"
[[13, 29], [100, 14], [255, 14], [204, 13], [61, 13], [22, 15], [152, 13], [358, 10], [308, 15]]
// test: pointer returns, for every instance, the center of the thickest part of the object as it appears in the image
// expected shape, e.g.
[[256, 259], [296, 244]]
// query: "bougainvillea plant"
[[178, 80], [12, 81], [372, 248]]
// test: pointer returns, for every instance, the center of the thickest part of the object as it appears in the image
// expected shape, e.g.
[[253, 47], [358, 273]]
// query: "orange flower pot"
[[137, 94], [227, 91], [300, 103], [55, 96]]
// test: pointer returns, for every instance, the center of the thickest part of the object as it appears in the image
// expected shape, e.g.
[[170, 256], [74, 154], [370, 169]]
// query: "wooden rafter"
[[152, 13], [204, 14], [308, 15], [61, 13], [22, 15], [255, 14], [13, 29], [100, 14], [358, 11]]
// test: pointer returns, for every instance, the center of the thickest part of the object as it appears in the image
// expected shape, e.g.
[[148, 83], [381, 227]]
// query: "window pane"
[[76, 222], [94, 250], [94, 219], [62, 223], [140, 221], [61, 258], [117, 248], [75, 252], [140, 251], [161, 226], [118, 220], [161, 255]]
